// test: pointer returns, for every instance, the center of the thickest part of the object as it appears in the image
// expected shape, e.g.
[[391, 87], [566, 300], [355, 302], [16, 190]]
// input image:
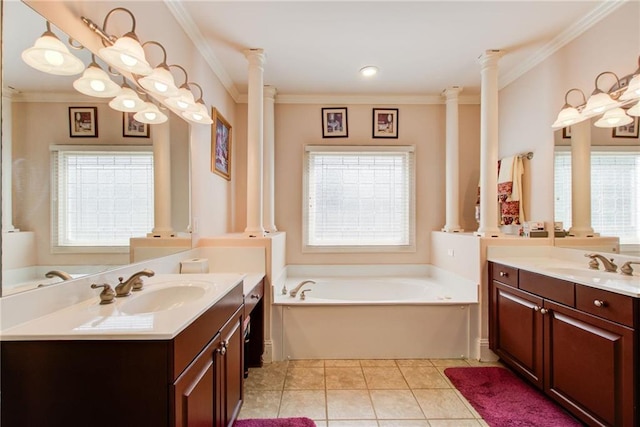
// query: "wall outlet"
[[450, 252]]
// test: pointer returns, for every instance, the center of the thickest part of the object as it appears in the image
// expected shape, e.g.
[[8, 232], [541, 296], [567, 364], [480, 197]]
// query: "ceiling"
[[312, 48]]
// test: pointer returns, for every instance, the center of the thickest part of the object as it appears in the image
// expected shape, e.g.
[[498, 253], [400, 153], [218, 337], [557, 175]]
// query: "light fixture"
[[151, 114], [569, 114], [125, 52], [127, 100], [50, 55], [160, 81], [96, 82], [201, 114], [613, 118], [635, 110], [183, 100], [369, 70], [599, 101], [633, 88]]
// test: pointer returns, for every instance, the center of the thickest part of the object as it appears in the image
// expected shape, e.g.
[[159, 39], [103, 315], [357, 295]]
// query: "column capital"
[[490, 58], [452, 92], [270, 92], [255, 56]]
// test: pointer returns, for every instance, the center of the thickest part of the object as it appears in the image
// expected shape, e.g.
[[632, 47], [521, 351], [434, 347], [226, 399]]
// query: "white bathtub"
[[358, 312]]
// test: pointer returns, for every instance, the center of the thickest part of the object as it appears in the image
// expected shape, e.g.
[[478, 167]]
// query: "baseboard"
[[267, 356], [486, 355]]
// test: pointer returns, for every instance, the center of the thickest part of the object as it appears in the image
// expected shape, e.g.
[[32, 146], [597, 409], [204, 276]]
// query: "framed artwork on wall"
[[220, 145], [83, 122], [133, 128], [566, 132], [385, 122], [627, 131], [334, 123]]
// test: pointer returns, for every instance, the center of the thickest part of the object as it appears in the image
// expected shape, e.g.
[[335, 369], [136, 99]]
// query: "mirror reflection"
[[73, 172]]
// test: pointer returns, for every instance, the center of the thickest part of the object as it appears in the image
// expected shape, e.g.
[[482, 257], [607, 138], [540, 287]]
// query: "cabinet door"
[[589, 366], [232, 368], [516, 330]]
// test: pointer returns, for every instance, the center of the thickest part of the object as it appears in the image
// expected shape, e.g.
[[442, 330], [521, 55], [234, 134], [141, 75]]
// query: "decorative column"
[[268, 180], [162, 181], [489, 144], [254, 143], [452, 224], [7, 166], [581, 180]]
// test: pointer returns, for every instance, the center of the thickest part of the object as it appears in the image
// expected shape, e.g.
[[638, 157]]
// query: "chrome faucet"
[[626, 268], [58, 273], [293, 292], [608, 265], [134, 282]]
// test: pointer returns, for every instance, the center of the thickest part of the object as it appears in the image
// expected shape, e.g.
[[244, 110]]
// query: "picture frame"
[[566, 132], [334, 123], [83, 122], [131, 128], [627, 131], [385, 123], [221, 140]]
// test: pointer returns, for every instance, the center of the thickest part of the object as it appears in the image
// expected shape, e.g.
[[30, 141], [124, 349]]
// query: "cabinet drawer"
[[253, 298], [504, 274], [608, 305], [548, 287]]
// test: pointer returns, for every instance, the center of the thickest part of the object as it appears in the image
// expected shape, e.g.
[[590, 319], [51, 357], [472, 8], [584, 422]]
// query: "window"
[[100, 197], [359, 198], [615, 191]]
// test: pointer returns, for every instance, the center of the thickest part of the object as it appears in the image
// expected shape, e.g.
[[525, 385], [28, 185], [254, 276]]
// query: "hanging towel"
[[510, 170]]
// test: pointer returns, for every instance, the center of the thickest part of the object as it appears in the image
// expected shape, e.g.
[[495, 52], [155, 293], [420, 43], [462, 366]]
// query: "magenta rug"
[[275, 422], [504, 400]]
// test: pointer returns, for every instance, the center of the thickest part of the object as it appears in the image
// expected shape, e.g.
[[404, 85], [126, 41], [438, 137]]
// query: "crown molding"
[[366, 99], [596, 15]]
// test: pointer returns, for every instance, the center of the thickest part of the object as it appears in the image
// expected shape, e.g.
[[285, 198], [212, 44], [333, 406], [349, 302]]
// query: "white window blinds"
[[101, 198], [359, 197]]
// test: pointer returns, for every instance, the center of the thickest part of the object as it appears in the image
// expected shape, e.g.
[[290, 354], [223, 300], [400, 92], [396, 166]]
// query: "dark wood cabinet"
[[577, 344]]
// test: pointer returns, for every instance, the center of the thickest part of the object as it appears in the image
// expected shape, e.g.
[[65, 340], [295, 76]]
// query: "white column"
[[489, 144], [162, 181], [581, 180], [268, 179], [7, 166], [452, 171], [254, 143]]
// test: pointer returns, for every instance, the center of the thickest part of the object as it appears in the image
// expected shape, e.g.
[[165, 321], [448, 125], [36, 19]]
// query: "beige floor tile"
[[403, 423], [260, 404], [382, 378], [353, 423], [269, 377], [344, 379], [414, 362], [303, 403], [424, 377], [454, 423], [378, 362], [441, 403], [307, 363], [395, 404], [349, 405], [449, 362], [468, 405], [320, 423], [304, 379], [341, 363]]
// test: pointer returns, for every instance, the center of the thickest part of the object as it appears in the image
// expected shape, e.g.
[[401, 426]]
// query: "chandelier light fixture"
[[127, 100], [96, 82], [51, 56], [201, 114], [160, 81], [150, 114], [569, 114]]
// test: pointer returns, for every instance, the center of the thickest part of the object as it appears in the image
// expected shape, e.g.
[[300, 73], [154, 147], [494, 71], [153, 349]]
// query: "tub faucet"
[[132, 283], [293, 292], [608, 265], [58, 273]]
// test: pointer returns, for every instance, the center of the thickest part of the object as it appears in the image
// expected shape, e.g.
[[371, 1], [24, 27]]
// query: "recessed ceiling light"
[[369, 71]]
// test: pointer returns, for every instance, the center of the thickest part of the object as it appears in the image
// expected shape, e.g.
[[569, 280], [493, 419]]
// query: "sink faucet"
[[293, 292], [626, 268], [608, 265], [58, 273], [134, 282]]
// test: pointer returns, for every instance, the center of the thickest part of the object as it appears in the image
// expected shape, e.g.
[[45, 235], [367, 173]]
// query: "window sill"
[[358, 249]]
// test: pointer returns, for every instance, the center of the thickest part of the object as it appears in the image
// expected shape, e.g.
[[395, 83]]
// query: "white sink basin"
[[166, 298], [587, 274]]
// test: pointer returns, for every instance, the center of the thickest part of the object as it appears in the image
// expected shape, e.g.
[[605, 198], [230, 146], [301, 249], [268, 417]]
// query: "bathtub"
[[379, 312]]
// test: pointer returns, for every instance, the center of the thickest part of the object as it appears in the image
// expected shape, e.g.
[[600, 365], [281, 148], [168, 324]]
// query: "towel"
[[510, 171]]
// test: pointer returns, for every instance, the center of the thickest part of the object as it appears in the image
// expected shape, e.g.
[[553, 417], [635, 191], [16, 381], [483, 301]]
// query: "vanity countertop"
[[575, 272], [124, 319]]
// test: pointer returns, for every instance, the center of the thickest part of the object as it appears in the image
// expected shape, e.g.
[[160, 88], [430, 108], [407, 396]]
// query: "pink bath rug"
[[275, 422], [504, 400]]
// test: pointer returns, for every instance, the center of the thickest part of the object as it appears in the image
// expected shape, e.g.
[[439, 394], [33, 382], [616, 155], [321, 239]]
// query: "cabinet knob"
[[536, 308], [223, 348], [504, 274], [544, 311], [254, 296], [599, 303]]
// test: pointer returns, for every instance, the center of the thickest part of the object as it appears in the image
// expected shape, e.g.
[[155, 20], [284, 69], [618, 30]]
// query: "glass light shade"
[[160, 82], [95, 82], [633, 89], [598, 103], [613, 118], [51, 56], [127, 54], [635, 110], [127, 101], [566, 117], [200, 116], [151, 114], [369, 71], [184, 101]]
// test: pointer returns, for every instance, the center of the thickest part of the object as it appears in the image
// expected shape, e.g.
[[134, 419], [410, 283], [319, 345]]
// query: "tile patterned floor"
[[360, 393]]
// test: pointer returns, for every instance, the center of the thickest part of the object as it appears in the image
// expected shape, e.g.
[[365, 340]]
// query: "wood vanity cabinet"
[[194, 379], [576, 343]]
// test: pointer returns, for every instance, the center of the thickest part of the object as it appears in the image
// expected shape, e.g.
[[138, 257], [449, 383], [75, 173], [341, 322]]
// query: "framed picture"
[[220, 145], [566, 132], [627, 131], [385, 123], [334, 123], [83, 122], [133, 128]]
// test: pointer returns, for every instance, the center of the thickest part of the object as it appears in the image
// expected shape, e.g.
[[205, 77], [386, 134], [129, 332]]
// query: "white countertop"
[[575, 272], [89, 320]]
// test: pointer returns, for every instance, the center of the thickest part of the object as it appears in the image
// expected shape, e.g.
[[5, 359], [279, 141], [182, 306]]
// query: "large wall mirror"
[[36, 116]]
